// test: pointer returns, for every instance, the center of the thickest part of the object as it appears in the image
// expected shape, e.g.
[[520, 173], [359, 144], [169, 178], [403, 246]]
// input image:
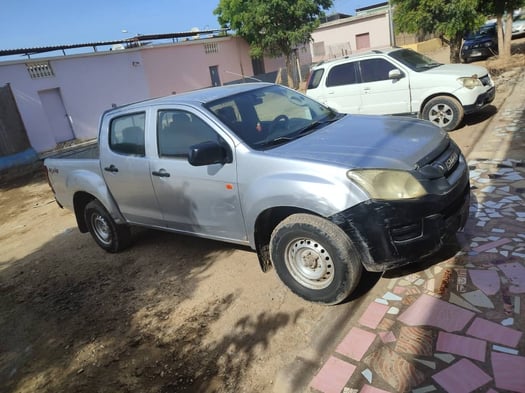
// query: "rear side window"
[[374, 70], [315, 78], [126, 134], [342, 74]]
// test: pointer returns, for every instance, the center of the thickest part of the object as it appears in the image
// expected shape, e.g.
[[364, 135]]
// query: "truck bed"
[[86, 150]]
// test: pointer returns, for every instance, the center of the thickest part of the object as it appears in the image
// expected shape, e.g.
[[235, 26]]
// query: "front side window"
[[342, 74], [374, 70], [178, 130], [126, 134]]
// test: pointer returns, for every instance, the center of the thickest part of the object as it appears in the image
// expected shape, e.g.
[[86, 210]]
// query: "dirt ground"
[[170, 314]]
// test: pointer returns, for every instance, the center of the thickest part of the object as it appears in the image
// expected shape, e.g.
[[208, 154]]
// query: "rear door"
[[202, 200], [343, 92], [126, 169], [381, 95]]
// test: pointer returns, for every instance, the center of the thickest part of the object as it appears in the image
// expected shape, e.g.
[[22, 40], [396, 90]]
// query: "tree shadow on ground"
[[97, 322]]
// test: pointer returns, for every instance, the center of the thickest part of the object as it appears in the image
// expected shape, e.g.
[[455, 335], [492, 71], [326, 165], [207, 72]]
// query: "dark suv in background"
[[480, 44]]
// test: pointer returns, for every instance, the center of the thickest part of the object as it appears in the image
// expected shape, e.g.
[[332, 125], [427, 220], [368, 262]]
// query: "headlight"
[[465, 47], [387, 184], [470, 82]]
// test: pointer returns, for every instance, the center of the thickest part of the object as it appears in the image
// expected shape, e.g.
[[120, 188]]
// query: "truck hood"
[[457, 70], [359, 141]]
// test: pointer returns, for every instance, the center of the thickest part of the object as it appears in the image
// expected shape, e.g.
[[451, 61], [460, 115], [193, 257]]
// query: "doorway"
[[57, 116]]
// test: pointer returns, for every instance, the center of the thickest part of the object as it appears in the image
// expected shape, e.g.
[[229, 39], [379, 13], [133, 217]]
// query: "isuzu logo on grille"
[[451, 161]]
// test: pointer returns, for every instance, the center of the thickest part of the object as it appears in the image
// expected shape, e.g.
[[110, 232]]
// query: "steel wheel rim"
[[441, 114], [309, 263], [101, 229]]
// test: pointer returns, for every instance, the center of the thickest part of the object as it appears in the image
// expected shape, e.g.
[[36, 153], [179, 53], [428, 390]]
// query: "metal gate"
[[13, 136]]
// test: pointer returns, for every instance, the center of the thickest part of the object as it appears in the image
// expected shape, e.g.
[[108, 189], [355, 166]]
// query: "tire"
[[302, 239], [445, 112], [108, 235]]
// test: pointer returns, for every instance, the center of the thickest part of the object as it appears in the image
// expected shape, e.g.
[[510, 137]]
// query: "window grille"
[[211, 47], [39, 70], [319, 49]]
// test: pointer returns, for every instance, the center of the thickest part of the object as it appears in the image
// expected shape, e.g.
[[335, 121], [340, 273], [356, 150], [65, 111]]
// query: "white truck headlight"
[[387, 184], [470, 82]]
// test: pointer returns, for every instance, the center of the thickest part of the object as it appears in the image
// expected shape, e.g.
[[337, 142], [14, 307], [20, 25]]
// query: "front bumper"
[[483, 100], [477, 53], [401, 232]]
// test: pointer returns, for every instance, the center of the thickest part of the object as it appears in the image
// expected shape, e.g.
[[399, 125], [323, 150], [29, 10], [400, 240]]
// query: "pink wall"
[[90, 83], [185, 66]]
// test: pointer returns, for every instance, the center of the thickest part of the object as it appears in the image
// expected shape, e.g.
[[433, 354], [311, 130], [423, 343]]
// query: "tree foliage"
[[450, 20], [272, 27]]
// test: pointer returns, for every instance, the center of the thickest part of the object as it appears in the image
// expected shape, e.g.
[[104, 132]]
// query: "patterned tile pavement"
[[458, 325]]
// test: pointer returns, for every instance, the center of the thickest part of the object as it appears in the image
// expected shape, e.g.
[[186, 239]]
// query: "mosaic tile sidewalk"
[[458, 325]]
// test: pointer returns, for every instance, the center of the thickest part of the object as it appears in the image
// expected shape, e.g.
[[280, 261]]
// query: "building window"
[[40, 70], [319, 49], [211, 47]]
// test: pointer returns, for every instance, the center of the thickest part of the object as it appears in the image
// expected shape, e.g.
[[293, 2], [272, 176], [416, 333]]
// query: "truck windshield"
[[414, 60], [270, 116]]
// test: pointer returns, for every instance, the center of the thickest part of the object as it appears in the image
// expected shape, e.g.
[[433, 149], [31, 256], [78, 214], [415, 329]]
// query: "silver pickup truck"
[[319, 195]]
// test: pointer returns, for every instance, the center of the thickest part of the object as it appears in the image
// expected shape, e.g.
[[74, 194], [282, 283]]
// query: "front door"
[[57, 116], [202, 200], [214, 75]]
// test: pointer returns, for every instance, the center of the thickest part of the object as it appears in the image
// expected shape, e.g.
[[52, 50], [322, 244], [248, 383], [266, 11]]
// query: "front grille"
[[442, 165], [485, 80]]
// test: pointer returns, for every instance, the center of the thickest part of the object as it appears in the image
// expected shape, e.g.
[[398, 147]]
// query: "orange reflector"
[[229, 186]]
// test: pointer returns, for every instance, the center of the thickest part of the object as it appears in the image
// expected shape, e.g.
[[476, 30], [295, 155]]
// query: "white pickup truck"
[[318, 194]]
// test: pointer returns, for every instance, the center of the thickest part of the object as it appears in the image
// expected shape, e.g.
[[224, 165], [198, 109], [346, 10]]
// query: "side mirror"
[[207, 153], [395, 74]]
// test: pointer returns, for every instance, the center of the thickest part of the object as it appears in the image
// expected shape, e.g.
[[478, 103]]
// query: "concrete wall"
[[87, 84], [338, 38], [90, 83], [186, 66]]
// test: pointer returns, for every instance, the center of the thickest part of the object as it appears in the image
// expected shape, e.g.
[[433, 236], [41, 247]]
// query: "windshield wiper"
[[430, 65], [315, 124]]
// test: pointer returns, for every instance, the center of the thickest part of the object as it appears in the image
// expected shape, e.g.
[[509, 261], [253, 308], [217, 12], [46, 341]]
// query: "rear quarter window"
[[315, 78]]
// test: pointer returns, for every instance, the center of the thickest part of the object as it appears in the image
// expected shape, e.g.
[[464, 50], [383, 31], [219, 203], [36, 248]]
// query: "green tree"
[[273, 27], [503, 10], [450, 20]]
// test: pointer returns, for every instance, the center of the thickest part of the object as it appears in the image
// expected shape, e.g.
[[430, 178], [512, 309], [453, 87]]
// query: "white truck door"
[[126, 171], [343, 93], [195, 199]]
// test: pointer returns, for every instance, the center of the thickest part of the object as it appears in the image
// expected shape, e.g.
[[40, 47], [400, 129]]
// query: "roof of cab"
[[196, 97]]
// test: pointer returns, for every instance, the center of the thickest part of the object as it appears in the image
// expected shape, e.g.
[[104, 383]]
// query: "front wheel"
[[315, 258], [109, 235], [445, 112]]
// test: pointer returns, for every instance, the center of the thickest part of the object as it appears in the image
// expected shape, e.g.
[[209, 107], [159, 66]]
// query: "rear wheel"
[[445, 112], [108, 234], [315, 258]]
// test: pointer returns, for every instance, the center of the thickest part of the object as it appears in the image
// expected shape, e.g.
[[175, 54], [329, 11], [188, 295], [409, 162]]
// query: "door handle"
[[111, 168], [161, 173]]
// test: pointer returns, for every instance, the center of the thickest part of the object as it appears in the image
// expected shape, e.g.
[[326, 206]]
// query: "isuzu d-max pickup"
[[317, 194]]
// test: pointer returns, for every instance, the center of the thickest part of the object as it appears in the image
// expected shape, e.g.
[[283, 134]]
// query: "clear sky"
[[33, 23]]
